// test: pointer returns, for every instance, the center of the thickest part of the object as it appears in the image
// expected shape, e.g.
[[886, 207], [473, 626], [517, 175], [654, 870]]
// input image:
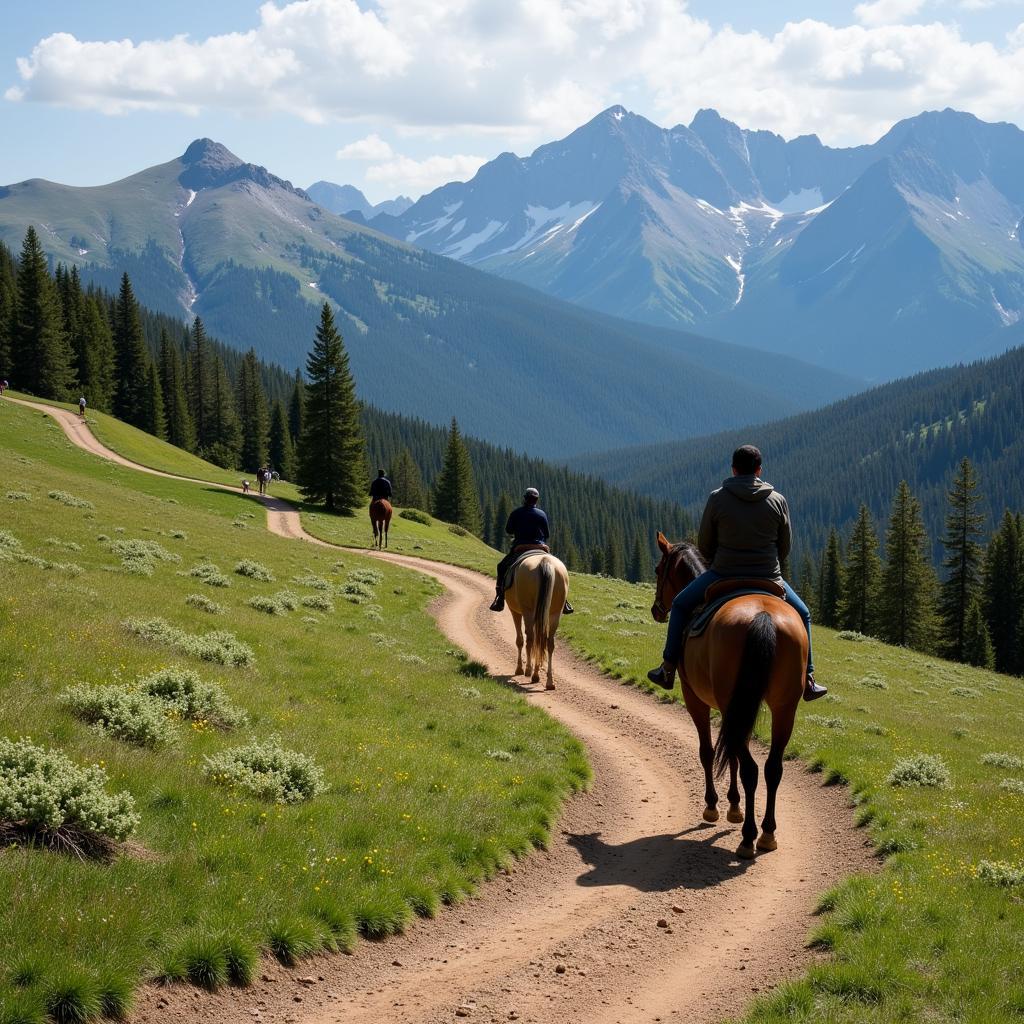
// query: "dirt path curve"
[[572, 933]]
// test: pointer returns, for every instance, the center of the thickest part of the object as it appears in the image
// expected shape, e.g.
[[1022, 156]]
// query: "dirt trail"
[[572, 933]]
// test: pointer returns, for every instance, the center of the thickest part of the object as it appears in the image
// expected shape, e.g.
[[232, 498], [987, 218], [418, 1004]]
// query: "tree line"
[[59, 339], [972, 612]]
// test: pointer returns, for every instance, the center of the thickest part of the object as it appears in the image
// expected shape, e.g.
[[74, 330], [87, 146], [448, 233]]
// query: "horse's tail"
[[739, 716], [542, 613]]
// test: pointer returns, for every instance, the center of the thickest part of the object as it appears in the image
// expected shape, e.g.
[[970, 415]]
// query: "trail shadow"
[[660, 863]]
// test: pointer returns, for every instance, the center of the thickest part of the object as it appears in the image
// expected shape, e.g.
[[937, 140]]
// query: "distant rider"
[[744, 533], [528, 526], [81, 407], [381, 487]]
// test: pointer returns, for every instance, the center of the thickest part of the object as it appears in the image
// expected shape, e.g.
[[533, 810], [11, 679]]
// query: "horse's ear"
[[663, 542]]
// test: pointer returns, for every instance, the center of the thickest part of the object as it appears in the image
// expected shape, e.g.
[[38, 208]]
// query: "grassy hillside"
[[418, 808]]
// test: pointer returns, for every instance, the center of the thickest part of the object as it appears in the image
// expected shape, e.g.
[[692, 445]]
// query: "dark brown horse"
[[380, 519], [753, 651]]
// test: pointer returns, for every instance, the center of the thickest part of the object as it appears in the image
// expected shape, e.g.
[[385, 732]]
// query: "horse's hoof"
[[535, 679], [745, 852], [550, 685], [766, 843], [711, 814], [735, 815]]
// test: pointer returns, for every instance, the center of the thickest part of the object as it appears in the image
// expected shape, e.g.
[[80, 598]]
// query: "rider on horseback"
[[529, 527], [744, 532], [381, 487]]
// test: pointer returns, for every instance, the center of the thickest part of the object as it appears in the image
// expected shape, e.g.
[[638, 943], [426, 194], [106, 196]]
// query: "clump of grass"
[[459, 531], [499, 755], [210, 574], [192, 698], [22, 1008], [265, 604], [70, 500], [318, 602], [19, 496], [357, 593], [68, 545], [964, 691], [827, 721], [10, 546], [287, 599], [268, 771], [221, 647], [873, 683], [312, 580], [919, 770], [125, 714], [204, 604], [1015, 786], [254, 571], [415, 515], [292, 939], [1001, 873], [72, 997], [139, 557], [46, 797], [411, 659], [203, 961], [1011, 762], [853, 636], [371, 577]]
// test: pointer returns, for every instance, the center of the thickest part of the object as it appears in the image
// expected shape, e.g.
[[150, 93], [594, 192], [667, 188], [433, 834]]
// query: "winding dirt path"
[[573, 933]]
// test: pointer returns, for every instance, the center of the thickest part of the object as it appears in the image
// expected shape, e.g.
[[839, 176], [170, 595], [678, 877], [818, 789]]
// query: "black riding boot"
[[498, 604]]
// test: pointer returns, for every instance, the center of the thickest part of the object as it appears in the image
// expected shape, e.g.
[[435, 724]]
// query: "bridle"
[[660, 573]]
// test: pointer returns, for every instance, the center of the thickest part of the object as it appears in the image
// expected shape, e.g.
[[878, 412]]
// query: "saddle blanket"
[[510, 575], [703, 615]]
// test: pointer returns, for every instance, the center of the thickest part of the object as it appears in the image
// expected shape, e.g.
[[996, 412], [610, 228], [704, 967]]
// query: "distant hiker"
[[263, 478], [744, 533], [381, 487], [3, 387], [245, 486], [529, 529], [81, 407]]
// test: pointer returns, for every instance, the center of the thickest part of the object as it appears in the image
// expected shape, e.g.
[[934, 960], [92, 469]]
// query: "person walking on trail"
[[380, 487], [3, 387], [528, 526], [81, 407], [745, 532]]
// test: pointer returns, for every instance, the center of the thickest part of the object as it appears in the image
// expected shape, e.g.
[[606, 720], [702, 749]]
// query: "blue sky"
[[402, 95]]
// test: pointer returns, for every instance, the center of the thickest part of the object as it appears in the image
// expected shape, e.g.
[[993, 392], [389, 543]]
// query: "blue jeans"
[[691, 597]]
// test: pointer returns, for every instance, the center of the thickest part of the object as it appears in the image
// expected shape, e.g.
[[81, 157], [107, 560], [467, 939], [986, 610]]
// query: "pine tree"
[[96, 360], [808, 586], [963, 559], [331, 455], [131, 359], [1004, 592], [224, 430], [407, 483], [152, 414], [40, 352], [180, 431], [200, 386], [859, 604], [502, 510], [640, 568], [596, 560], [977, 643], [281, 450], [455, 496], [906, 606], [830, 582], [614, 561], [297, 408], [252, 413], [8, 306]]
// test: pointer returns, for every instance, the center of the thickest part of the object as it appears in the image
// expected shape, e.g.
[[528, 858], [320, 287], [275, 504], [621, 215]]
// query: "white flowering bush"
[[204, 604], [318, 602], [254, 571], [267, 771], [210, 574], [920, 770], [311, 580], [221, 647], [46, 797], [125, 714], [1001, 873], [70, 500], [190, 697], [139, 557], [10, 546], [1002, 760]]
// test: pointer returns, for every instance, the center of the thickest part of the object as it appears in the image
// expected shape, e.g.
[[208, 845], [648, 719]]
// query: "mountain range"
[[347, 199], [877, 260], [209, 234]]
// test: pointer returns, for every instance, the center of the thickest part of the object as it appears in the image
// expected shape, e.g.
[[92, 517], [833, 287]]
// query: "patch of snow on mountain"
[[466, 245], [737, 265], [818, 209], [436, 224], [546, 222], [800, 202], [457, 227], [740, 214], [618, 115], [191, 197], [82, 252], [580, 220], [1008, 316], [708, 208]]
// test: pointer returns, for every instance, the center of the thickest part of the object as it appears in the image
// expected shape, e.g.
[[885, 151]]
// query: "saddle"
[[521, 551], [721, 592]]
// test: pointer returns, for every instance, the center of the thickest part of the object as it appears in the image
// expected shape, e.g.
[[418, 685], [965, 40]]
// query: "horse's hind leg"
[[701, 715], [734, 814], [748, 776], [550, 685], [782, 729], [517, 618]]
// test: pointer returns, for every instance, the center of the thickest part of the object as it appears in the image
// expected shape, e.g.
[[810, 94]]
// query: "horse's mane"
[[690, 557]]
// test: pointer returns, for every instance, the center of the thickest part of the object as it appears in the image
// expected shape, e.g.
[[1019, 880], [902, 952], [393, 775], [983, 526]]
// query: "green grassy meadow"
[[436, 775]]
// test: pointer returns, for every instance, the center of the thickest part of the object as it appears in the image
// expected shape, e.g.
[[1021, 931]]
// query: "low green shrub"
[[1001, 873], [964, 691], [287, 599], [371, 577], [267, 771], [210, 574], [827, 721], [68, 545], [70, 500], [192, 698], [72, 998], [125, 714], [1011, 762], [853, 636], [318, 602], [919, 770], [311, 580], [204, 604], [291, 939], [262, 603], [221, 647], [415, 516], [139, 557], [19, 496], [459, 531], [10, 546], [254, 571], [1015, 786], [46, 797]]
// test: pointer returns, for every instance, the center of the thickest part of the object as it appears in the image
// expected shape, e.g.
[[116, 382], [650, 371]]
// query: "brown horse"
[[380, 519], [753, 651], [537, 596]]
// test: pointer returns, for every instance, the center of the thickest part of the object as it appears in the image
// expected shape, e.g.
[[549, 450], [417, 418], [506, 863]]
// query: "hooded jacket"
[[745, 529]]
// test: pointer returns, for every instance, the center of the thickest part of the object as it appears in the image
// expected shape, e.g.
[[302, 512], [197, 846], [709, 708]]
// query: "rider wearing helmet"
[[380, 487]]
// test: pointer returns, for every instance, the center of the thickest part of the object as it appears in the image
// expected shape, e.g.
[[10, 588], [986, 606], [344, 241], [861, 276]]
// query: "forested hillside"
[[857, 451]]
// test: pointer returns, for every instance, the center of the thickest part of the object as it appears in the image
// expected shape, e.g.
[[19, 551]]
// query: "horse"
[[380, 518], [753, 651], [537, 596]]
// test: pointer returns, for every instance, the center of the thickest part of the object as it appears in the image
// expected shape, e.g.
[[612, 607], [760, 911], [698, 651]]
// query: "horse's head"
[[680, 564]]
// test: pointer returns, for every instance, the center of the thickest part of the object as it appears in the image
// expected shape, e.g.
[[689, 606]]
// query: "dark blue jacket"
[[528, 525], [380, 488]]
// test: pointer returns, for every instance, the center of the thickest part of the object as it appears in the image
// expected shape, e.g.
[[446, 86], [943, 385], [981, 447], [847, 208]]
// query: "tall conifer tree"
[[172, 380], [253, 414], [407, 482], [859, 605], [8, 306], [455, 496], [96, 360], [130, 358], [830, 582], [297, 408], [200, 385], [977, 643], [225, 432], [963, 559], [331, 455], [281, 450], [152, 419], [1004, 592]]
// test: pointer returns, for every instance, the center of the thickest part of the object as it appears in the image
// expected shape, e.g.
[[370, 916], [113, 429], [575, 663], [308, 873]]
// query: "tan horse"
[[536, 597], [753, 651], [380, 519]]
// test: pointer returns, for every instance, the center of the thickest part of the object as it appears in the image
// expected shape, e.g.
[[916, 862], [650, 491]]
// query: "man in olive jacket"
[[744, 532]]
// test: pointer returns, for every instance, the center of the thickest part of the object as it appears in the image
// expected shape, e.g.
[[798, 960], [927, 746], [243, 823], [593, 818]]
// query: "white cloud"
[[887, 12], [419, 176], [373, 147], [527, 71]]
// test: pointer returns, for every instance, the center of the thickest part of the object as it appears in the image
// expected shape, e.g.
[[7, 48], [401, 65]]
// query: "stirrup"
[[498, 604], [813, 690], [567, 608], [659, 677]]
